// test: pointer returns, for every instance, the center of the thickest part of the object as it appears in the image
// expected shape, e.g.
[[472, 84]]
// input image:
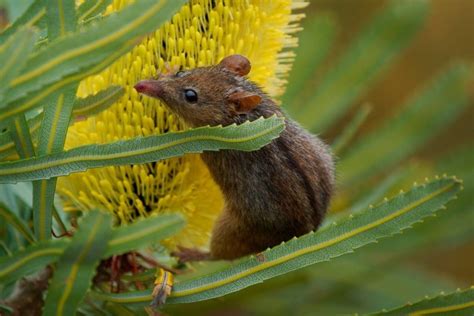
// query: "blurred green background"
[[447, 35]]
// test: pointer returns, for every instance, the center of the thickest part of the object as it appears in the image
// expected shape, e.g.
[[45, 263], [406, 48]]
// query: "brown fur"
[[272, 194]]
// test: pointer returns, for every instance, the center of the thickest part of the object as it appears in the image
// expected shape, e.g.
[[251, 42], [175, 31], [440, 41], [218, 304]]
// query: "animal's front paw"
[[190, 254]]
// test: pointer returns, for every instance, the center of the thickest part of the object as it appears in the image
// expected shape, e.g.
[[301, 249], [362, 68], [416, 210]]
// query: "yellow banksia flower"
[[200, 34]]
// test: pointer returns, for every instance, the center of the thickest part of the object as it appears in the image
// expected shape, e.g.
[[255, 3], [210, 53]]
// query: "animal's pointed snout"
[[152, 88]]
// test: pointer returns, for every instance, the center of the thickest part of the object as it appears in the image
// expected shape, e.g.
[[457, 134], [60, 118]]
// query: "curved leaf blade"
[[457, 303], [77, 264], [70, 58], [20, 134], [90, 8], [344, 138], [142, 233], [34, 15], [96, 103], [385, 220], [83, 108], [30, 259], [248, 136], [13, 56], [9, 217], [122, 239]]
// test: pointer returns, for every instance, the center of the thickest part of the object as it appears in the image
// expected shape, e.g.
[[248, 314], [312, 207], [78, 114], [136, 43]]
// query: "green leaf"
[[423, 116], [363, 62], [15, 221], [60, 17], [122, 239], [34, 15], [350, 130], [248, 136], [457, 303], [75, 56], [20, 134], [364, 228], [90, 8], [76, 266], [55, 121], [31, 259], [52, 137], [13, 56], [96, 103], [315, 42], [83, 108], [143, 232]]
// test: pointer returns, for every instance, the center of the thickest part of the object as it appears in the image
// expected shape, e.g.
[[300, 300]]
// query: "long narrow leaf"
[[90, 8], [95, 104], [77, 264], [422, 117], [142, 233], [70, 58], [363, 62], [385, 220], [83, 108], [457, 303], [30, 259], [122, 239], [12, 219], [13, 56], [52, 136], [247, 137], [350, 130], [29, 103], [20, 134], [315, 42], [32, 16], [60, 17]]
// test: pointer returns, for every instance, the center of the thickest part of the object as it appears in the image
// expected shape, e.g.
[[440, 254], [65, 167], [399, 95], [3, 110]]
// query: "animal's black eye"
[[191, 95]]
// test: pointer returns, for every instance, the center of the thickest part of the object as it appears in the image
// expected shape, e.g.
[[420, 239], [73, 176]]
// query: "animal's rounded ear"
[[244, 101], [236, 64]]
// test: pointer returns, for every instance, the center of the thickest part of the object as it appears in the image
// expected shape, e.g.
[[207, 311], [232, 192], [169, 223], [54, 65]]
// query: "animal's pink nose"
[[152, 88]]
